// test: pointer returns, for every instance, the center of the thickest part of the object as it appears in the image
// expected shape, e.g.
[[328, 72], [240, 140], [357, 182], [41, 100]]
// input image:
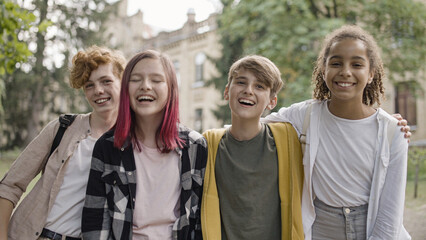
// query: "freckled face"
[[102, 90], [347, 70]]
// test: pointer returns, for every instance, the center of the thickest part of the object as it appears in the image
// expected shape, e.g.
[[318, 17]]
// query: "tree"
[[290, 34], [13, 20], [35, 88]]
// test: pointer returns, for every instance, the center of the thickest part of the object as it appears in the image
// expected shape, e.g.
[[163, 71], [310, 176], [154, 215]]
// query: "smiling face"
[[248, 97], [102, 90], [148, 89], [347, 70]]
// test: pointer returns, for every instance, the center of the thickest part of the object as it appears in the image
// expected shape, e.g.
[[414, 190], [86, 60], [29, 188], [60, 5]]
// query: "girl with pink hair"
[[147, 172]]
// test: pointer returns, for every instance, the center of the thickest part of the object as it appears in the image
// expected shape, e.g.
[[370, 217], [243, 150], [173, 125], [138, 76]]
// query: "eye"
[[335, 64], [88, 85], [240, 82], [358, 65], [134, 80], [157, 80], [260, 86], [107, 81]]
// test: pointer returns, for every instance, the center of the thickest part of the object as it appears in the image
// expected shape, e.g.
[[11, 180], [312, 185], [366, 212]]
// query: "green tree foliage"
[[13, 20], [290, 33], [39, 87]]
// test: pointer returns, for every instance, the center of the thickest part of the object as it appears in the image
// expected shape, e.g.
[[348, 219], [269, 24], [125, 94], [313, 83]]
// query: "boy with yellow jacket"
[[254, 175]]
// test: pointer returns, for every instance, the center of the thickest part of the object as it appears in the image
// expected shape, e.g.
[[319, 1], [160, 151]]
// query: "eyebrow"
[[355, 57], [151, 74], [102, 77]]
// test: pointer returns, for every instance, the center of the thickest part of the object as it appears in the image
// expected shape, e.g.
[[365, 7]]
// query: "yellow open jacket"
[[290, 181]]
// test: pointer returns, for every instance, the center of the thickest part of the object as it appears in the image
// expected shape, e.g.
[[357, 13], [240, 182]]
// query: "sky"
[[171, 14]]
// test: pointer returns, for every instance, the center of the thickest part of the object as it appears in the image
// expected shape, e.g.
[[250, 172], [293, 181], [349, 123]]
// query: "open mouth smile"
[[145, 98], [246, 102], [102, 100]]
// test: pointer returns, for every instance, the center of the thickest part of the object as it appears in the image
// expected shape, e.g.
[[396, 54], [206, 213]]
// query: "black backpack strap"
[[64, 121]]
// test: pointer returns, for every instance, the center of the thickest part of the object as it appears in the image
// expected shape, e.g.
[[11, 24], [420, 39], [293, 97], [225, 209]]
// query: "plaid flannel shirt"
[[110, 194]]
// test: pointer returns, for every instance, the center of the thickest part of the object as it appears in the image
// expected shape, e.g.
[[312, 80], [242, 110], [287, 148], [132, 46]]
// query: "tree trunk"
[[41, 76]]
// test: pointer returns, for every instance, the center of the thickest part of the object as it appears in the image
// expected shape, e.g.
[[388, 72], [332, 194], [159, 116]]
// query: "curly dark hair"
[[374, 91]]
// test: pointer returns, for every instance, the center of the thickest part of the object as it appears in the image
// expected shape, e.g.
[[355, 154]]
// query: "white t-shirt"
[[343, 169], [157, 194], [65, 215]]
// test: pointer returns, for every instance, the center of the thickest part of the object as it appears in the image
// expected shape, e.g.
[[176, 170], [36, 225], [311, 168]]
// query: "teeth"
[[101, 100], [344, 84], [145, 98], [245, 101]]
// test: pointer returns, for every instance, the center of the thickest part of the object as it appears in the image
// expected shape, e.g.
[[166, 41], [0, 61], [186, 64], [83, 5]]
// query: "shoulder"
[[213, 134], [191, 136]]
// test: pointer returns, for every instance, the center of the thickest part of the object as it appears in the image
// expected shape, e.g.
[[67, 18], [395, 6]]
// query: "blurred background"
[[203, 38]]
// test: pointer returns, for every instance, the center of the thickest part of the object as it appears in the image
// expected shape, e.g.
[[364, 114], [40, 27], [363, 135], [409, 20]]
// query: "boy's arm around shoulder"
[[28, 164]]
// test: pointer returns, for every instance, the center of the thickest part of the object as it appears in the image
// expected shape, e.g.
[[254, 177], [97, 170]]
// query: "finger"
[[402, 122], [397, 116]]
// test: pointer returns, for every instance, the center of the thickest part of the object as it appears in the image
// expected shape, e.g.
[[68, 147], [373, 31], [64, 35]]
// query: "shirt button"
[[37, 233], [129, 173], [134, 199], [63, 161], [115, 182], [122, 149], [347, 210]]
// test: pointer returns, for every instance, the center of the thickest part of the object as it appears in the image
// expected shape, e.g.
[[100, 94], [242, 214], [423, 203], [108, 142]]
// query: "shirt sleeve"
[[28, 164], [294, 114], [391, 204], [96, 220]]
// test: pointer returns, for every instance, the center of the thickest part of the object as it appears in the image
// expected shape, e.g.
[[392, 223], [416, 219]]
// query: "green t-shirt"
[[247, 183]]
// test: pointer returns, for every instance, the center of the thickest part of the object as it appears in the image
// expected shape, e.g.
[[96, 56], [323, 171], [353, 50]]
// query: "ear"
[[370, 77], [226, 93], [272, 103]]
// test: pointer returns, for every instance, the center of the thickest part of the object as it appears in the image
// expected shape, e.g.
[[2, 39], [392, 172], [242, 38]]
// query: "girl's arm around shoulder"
[[95, 211], [295, 114], [391, 205]]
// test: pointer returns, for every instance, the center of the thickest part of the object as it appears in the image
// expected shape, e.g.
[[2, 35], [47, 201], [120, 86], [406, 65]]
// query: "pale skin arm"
[[6, 208]]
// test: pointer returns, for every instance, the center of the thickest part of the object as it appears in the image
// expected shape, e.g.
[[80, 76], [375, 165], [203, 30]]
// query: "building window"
[[198, 123], [200, 59], [405, 102], [177, 70]]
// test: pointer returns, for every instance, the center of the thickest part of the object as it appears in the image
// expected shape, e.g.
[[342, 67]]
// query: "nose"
[[99, 89], [145, 84], [249, 89], [346, 71]]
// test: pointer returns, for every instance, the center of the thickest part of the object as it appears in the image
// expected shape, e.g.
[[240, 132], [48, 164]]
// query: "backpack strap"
[[306, 122], [65, 121]]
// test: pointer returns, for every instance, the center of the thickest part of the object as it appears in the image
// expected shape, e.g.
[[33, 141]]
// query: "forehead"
[[104, 70], [348, 48], [149, 66]]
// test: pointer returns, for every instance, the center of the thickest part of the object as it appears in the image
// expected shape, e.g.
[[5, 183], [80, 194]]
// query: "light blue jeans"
[[347, 223]]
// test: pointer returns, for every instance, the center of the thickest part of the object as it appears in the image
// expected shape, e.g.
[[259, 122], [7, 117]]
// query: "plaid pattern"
[[110, 195]]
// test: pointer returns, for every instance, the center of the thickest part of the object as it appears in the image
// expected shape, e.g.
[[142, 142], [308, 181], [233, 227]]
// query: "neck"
[[243, 129], [146, 130], [101, 122], [350, 110]]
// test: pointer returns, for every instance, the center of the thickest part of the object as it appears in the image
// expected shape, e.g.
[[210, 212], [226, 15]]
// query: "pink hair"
[[167, 133]]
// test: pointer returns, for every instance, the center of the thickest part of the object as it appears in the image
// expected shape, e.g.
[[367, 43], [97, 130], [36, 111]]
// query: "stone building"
[[189, 47]]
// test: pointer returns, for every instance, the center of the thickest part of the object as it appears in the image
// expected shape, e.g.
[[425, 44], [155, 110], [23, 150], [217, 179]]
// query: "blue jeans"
[[339, 223]]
